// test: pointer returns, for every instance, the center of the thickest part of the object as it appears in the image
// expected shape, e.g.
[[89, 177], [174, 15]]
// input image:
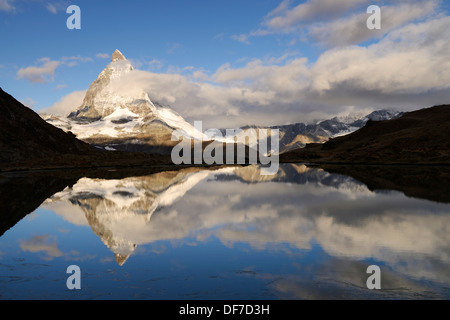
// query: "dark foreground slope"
[[24, 135], [29, 142], [418, 137]]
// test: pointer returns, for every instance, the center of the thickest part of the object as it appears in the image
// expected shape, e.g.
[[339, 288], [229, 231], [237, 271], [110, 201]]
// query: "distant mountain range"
[[131, 121], [418, 137], [295, 136]]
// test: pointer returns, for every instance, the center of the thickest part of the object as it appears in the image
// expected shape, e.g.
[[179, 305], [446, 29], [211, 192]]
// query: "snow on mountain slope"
[[115, 118], [174, 120]]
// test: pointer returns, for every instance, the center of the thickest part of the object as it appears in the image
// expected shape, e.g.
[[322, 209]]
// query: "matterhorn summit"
[[103, 99], [114, 116], [117, 55]]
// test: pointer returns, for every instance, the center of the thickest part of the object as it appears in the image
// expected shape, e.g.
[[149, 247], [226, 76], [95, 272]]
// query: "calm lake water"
[[229, 233]]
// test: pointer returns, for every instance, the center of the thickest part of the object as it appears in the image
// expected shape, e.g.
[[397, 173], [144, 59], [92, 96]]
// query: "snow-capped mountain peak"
[[117, 55], [114, 117], [101, 99]]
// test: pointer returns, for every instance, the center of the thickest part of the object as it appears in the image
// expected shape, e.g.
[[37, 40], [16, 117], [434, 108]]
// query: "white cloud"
[[337, 23], [310, 11], [352, 30], [410, 60], [39, 74], [46, 71], [406, 70], [42, 244], [67, 104]]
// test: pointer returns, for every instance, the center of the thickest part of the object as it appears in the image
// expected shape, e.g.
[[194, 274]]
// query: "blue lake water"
[[229, 233]]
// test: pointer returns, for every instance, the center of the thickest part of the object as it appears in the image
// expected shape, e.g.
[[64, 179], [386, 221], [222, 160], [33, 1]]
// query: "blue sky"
[[265, 61]]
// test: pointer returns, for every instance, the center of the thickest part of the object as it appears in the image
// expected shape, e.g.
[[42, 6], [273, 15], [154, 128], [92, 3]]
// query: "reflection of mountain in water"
[[125, 204], [115, 209], [23, 194], [295, 208], [424, 182], [293, 173]]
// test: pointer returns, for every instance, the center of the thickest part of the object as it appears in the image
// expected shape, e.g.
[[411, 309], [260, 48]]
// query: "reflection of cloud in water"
[[295, 208], [339, 278], [48, 246], [43, 244]]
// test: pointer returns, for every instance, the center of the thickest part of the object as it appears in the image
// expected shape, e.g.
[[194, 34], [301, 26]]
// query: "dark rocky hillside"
[[29, 142]]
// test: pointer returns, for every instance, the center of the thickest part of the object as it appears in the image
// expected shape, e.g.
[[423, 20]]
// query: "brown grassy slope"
[[418, 137]]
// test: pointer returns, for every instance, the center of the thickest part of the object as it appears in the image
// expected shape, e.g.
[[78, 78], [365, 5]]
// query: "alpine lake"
[[226, 233]]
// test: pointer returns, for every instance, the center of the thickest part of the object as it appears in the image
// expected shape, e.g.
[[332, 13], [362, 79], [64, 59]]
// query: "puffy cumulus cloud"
[[42, 244], [280, 79], [66, 104], [409, 63], [228, 98], [39, 74], [45, 72]]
